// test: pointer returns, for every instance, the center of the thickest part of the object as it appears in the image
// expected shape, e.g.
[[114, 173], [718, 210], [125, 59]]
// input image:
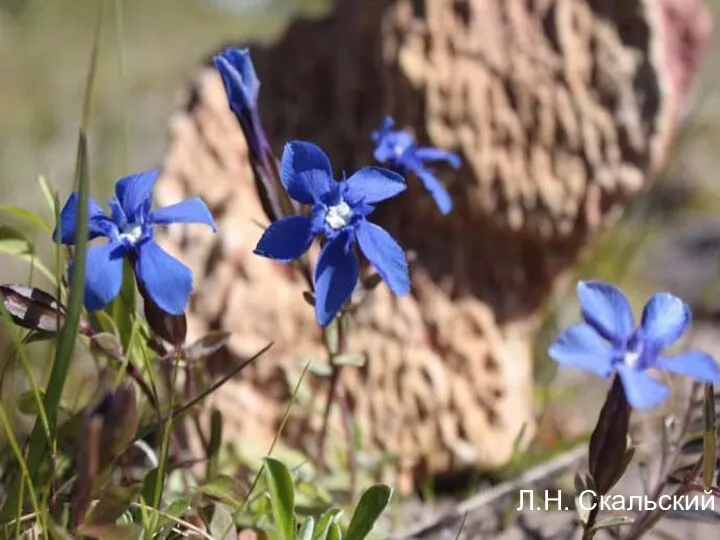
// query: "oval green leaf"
[[282, 497], [371, 506]]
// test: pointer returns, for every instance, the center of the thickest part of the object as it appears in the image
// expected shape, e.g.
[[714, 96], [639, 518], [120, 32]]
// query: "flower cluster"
[[609, 341], [338, 212], [129, 231]]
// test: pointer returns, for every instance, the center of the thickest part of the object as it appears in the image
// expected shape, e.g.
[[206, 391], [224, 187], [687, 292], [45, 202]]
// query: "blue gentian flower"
[[399, 150], [339, 213], [242, 88], [167, 281], [608, 341]]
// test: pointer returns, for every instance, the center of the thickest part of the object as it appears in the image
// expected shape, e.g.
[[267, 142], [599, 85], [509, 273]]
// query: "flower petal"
[[192, 210], [581, 347], [135, 191], [436, 154], [239, 78], [383, 130], [641, 390], [167, 280], [98, 225], [664, 319], [287, 239], [103, 274], [372, 185], [436, 189], [385, 254], [336, 275], [305, 172], [607, 310], [697, 365]]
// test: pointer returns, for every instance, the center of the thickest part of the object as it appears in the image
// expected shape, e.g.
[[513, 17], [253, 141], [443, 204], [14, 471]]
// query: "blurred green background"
[[145, 62]]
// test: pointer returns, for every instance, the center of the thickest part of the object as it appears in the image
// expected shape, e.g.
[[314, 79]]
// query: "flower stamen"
[[338, 216], [131, 233]]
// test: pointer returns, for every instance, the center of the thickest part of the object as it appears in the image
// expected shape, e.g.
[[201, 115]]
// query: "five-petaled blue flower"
[[339, 212], [167, 281], [399, 150], [608, 341]]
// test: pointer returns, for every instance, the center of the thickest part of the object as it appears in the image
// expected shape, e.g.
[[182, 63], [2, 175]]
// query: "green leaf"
[[331, 336], [27, 402], [222, 525], [112, 504], [334, 532], [583, 504], [106, 343], [320, 369], [214, 443], [225, 489], [178, 507], [350, 359], [56, 531], [306, 531], [26, 215], [123, 307], [323, 526], [49, 194], [14, 244], [121, 422], [282, 497], [132, 531], [371, 506], [206, 346]]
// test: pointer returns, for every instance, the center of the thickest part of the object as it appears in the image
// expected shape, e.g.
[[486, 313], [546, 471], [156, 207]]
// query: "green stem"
[[334, 350], [164, 448], [15, 447]]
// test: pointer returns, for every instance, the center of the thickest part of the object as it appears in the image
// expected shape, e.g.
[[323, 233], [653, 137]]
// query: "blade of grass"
[[22, 353], [15, 447], [38, 442], [288, 409], [276, 438], [48, 194], [201, 396], [165, 445], [125, 305]]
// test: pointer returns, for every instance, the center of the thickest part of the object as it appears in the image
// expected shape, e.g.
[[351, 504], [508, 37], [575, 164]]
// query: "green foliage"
[[286, 525]]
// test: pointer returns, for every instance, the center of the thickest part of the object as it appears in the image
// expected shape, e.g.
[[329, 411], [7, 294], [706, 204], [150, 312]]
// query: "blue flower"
[[242, 88], [339, 212], [167, 281], [609, 342], [399, 150]]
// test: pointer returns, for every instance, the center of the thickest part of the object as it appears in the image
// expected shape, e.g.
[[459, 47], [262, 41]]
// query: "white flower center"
[[338, 216], [131, 233], [631, 358]]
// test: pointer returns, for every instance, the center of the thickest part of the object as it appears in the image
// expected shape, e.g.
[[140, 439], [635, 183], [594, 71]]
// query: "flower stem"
[[335, 348], [165, 445]]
